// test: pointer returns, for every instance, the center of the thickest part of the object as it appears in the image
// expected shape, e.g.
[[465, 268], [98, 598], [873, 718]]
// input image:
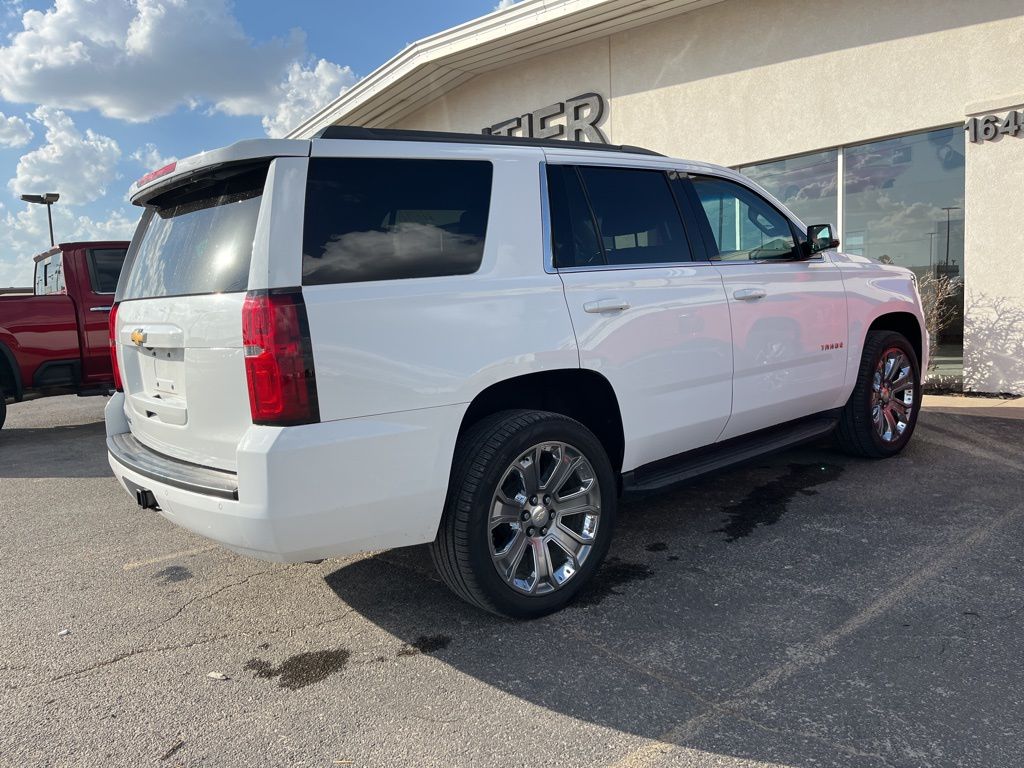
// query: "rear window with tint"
[[387, 219], [105, 268], [196, 239]]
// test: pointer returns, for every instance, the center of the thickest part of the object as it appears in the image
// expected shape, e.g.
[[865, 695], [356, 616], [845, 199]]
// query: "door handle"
[[605, 305], [749, 294], [99, 309]]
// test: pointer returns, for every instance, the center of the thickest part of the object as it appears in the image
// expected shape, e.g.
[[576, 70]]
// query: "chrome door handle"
[[99, 309], [605, 305], [749, 294]]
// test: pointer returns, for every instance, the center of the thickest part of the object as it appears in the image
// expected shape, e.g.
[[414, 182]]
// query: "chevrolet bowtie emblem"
[[138, 337]]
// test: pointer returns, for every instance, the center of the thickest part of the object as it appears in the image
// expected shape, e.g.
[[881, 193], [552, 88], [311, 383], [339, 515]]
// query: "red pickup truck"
[[55, 341]]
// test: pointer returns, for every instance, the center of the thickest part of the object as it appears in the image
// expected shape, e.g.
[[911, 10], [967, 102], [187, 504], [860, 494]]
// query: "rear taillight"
[[279, 358], [112, 325]]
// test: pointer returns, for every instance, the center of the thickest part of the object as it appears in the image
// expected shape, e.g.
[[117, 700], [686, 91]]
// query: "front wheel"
[[529, 513], [3, 408], [880, 415]]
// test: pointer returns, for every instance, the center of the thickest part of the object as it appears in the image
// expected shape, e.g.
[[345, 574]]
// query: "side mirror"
[[821, 238]]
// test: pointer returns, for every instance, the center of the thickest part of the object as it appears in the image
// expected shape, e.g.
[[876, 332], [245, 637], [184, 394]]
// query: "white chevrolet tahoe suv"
[[375, 339]]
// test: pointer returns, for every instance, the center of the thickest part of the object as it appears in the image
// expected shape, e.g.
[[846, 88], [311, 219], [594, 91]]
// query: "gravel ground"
[[807, 609]]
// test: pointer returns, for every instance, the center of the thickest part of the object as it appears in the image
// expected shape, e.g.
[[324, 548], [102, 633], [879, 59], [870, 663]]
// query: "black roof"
[[397, 134]]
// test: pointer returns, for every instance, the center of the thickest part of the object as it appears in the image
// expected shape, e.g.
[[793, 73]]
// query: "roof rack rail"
[[398, 134]]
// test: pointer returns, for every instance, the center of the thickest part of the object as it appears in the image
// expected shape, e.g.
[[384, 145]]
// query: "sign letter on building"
[[582, 114]]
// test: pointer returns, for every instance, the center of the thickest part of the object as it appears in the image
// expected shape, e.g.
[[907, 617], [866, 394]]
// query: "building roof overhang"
[[429, 68]]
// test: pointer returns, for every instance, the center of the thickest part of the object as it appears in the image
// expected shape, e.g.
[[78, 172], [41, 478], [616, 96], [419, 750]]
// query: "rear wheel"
[[881, 414], [529, 513], [3, 408]]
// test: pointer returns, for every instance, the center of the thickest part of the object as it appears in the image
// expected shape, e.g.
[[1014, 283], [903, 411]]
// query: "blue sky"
[[93, 93]]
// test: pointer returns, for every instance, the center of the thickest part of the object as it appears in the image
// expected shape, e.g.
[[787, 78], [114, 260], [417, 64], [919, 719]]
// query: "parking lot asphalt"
[[807, 609]]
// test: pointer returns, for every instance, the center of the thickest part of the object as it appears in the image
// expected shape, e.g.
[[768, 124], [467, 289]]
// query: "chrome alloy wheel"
[[544, 517], [892, 396]]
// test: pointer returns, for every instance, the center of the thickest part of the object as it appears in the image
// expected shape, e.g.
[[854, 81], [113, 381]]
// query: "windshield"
[[196, 239]]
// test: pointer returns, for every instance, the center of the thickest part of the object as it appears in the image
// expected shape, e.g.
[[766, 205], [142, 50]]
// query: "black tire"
[[856, 432], [462, 550], [3, 408]]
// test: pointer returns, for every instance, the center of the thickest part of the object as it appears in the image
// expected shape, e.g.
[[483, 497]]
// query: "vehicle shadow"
[[755, 574], [72, 450]]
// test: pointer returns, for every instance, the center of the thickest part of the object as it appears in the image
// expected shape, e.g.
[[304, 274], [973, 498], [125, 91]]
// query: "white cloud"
[[138, 59], [14, 131], [77, 166], [306, 90], [150, 158], [501, 6]]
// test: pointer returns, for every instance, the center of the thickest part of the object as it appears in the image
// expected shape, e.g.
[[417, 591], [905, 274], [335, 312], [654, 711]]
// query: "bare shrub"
[[937, 293]]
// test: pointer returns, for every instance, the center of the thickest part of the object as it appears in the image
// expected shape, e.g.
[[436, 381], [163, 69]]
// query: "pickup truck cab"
[[375, 339], [56, 341]]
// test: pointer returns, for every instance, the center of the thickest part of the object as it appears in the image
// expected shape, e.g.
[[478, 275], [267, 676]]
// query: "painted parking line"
[[172, 556], [654, 751]]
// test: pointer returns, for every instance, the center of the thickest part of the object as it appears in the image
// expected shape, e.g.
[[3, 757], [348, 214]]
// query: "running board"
[[666, 473]]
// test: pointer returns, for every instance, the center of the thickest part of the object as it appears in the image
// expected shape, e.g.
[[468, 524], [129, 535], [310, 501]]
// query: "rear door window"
[[388, 219], [614, 216], [105, 268], [574, 238], [636, 214], [196, 239]]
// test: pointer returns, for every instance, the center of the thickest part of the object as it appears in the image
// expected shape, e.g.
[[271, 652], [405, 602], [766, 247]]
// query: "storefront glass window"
[[807, 184], [904, 204]]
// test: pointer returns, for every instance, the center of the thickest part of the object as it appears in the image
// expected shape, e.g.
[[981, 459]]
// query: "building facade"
[[901, 123]]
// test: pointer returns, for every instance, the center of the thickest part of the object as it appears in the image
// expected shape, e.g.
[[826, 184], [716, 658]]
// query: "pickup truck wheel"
[[529, 514], [880, 416]]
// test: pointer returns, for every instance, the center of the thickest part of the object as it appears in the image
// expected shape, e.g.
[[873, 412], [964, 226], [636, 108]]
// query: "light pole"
[[931, 248], [947, 209], [47, 199]]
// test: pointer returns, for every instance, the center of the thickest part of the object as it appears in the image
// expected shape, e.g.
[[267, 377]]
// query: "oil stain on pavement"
[[302, 669], [425, 644], [173, 573], [765, 504]]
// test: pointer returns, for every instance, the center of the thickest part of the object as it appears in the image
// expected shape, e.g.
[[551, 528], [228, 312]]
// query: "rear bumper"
[[131, 454], [309, 492]]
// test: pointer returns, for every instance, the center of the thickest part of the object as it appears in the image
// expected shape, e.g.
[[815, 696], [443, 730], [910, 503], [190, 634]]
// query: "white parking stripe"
[[653, 752], [171, 556]]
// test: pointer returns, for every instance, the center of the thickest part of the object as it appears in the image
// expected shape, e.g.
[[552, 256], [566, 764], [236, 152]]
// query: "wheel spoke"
[[541, 563], [503, 513], [529, 471], [584, 490], [509, 562], [878, 418], [562, 472], [890, 422], [899, 410], [576, 509], [893, 367], [902, 381], [568, 539]]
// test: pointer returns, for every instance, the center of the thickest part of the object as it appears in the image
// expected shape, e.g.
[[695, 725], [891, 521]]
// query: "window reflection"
[[903, 201], [904, 204], [807, 185]]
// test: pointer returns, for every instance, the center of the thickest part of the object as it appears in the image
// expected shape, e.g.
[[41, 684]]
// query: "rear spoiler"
[[181, 171]]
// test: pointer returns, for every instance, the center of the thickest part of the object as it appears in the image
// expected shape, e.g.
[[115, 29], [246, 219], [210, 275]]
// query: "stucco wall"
[[511, 91], [994, 261], [751, 80]]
